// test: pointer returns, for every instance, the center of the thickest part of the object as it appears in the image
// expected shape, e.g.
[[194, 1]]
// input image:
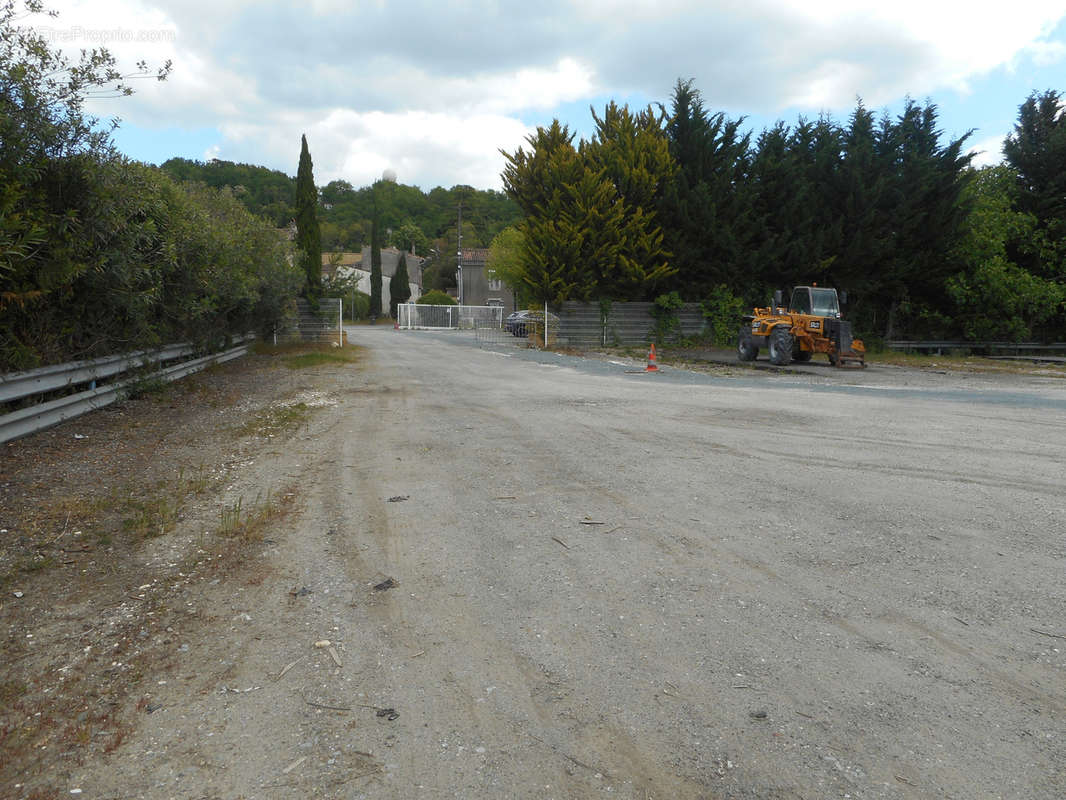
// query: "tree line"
[[684, 200], [410, 219]]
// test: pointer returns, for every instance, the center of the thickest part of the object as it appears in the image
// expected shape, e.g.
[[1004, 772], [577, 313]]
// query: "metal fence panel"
[[493, 336], [471, 317], [582, 325], [311, 324]]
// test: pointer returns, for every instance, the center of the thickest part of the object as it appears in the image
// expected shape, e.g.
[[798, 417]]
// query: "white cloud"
[[425, 149], [987, 151], [524, 89], [1044, 53], [434, 89]]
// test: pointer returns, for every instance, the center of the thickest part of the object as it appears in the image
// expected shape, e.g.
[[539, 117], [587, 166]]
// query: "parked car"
[[520, 323], [515, 324]]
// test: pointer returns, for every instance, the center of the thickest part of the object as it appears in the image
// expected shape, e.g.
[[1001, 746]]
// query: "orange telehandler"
[[809, 324]]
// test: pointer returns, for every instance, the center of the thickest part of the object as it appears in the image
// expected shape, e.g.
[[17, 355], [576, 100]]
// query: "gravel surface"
[[506, 573]]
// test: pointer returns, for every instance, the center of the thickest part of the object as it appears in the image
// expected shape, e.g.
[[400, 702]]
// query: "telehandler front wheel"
[[780, 344], [746, 349]]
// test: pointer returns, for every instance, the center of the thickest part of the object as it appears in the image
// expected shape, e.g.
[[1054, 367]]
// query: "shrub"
[[724, 312], [143, 261], [362, 305], [667, 322], [437, 298]]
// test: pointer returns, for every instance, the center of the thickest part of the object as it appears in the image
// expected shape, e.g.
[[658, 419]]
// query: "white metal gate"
[[412, 316]]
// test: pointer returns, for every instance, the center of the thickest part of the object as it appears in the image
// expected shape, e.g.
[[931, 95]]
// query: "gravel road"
[[604, 584]]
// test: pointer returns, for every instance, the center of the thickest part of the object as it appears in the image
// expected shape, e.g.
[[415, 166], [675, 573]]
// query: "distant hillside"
[[266, 192], [415, 218], [346, 213]]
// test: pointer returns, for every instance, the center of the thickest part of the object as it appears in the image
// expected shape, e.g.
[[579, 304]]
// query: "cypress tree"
[[308, 237], [706, 209], [924, 221], [1037, 152], [375, 262], [399, 286]]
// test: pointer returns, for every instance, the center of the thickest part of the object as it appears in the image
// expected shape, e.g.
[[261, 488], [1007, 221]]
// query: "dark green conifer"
[[375, 261], [308, 237], [399, 286]]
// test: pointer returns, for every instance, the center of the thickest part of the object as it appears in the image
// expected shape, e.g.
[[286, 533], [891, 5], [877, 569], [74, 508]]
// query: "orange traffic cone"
[[652, 367]]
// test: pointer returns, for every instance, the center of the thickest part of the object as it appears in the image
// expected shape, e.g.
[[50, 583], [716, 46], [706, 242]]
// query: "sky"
[[434, 89]]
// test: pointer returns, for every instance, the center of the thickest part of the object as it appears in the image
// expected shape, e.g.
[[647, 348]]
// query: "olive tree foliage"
[[44, 135], [99, 254]]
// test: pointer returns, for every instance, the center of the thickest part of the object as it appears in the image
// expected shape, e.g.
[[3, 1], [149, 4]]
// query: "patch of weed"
[[146, 386], [319, 358], [275, 419], [299, 355], [247, 522], [12, 690], [195, 481], [37, 563], [150, 516]]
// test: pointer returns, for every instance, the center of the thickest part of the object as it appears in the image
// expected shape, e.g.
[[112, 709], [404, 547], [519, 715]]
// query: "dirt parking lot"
[[420, 568]]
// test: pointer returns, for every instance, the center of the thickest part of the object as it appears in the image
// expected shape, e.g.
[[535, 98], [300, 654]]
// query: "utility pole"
[[459, 254]]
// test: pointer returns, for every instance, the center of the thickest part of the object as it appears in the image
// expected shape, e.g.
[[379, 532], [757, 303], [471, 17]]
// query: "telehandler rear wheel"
[[780, 345]]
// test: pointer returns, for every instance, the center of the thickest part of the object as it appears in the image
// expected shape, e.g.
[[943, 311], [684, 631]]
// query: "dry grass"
[[958, 363]]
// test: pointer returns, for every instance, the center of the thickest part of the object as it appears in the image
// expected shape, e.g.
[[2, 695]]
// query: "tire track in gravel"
[[477, 691]]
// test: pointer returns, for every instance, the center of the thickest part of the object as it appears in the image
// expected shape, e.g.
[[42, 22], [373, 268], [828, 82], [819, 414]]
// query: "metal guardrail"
[[34, 418], [1013, 347], [17, 385]]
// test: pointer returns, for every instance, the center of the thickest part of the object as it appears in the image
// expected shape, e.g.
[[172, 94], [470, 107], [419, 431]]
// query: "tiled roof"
[[346, 260]]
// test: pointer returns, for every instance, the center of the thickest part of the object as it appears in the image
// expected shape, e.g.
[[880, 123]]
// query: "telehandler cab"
[[810, 324]]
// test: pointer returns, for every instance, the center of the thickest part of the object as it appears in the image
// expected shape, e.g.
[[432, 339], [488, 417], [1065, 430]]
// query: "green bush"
[[100, 254], [132, 259], [362, 305], [437, 298], [667, 322], [724, 312]]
